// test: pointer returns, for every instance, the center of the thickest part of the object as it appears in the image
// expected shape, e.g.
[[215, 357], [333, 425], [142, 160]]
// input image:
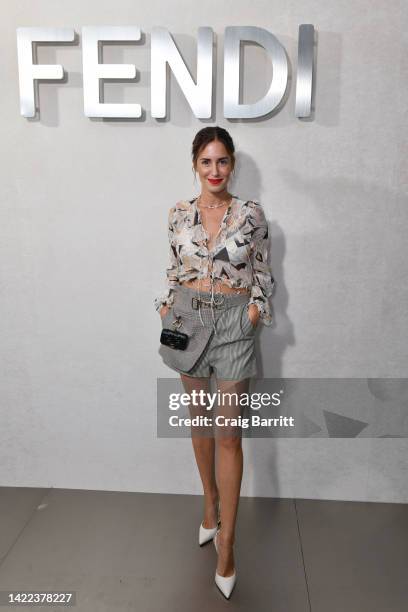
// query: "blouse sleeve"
[[167, 297], [262, 279]]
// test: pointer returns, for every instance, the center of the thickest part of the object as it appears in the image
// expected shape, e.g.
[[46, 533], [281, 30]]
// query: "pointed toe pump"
[[204, 534], [224, 583]]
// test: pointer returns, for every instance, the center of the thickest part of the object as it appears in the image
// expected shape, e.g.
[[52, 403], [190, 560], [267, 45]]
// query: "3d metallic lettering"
[[163, 52]]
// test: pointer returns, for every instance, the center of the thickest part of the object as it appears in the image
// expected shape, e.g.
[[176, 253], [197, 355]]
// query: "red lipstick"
[[215, 181]]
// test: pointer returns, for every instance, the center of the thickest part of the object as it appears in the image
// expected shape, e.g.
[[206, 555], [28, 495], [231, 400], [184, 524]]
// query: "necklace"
[[212, 205], [221, 296]]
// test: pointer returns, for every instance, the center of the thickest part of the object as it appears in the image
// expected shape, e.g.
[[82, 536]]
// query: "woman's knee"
[[229, 441]]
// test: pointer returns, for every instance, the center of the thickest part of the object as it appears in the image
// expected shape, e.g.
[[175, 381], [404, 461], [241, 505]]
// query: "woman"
[[218, 285]]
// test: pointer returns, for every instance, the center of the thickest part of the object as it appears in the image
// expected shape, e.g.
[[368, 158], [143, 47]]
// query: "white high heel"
[[204, 534], [224, 583]]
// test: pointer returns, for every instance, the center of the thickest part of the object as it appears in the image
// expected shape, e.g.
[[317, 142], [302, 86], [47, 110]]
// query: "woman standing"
[[218, 285]]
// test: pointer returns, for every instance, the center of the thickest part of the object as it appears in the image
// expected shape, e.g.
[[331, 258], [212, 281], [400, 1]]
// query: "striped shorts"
[[228, 351]]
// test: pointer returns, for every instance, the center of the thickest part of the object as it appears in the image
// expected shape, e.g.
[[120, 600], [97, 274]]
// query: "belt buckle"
[[195, 301]]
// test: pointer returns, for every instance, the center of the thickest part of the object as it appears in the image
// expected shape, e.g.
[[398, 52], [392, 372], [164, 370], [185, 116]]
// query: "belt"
[[197, 302]]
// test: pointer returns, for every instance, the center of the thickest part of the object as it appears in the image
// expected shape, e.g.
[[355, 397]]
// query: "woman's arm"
[[167, 298], [262, 280]]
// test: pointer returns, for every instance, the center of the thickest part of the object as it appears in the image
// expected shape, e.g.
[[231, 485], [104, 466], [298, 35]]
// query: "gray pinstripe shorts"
[[229, 352]]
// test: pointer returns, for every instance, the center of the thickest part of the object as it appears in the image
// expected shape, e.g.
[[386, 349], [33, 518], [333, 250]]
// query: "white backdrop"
[[84, 245]]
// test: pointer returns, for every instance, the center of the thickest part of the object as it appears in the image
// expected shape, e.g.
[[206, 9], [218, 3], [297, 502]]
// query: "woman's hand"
[[163, 310], [253, 314]]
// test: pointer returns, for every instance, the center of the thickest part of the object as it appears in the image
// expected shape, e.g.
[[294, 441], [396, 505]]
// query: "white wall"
[[79, 333]]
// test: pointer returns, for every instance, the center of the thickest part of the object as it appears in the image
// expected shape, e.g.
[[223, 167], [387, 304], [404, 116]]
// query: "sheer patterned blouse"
[[238, 257]]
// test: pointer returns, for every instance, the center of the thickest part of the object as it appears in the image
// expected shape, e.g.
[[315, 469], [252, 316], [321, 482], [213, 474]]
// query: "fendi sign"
[[164, 51]]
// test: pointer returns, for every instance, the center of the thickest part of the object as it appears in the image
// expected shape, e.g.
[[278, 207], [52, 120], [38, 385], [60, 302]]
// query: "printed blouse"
[[238, 257]]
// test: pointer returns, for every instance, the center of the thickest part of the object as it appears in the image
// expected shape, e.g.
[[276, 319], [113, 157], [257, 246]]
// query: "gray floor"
[[139, 551]]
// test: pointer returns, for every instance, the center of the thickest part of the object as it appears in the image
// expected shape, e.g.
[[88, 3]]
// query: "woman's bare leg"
[[229, 470], [204, 450]]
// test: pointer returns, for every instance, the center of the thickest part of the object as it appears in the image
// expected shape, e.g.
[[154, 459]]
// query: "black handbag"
[[173, 337]]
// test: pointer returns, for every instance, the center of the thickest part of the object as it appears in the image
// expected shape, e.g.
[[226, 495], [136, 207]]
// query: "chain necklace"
[[212, 205], [213, 299]]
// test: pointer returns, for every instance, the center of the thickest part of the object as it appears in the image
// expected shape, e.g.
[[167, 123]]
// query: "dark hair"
[[207, 135]]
